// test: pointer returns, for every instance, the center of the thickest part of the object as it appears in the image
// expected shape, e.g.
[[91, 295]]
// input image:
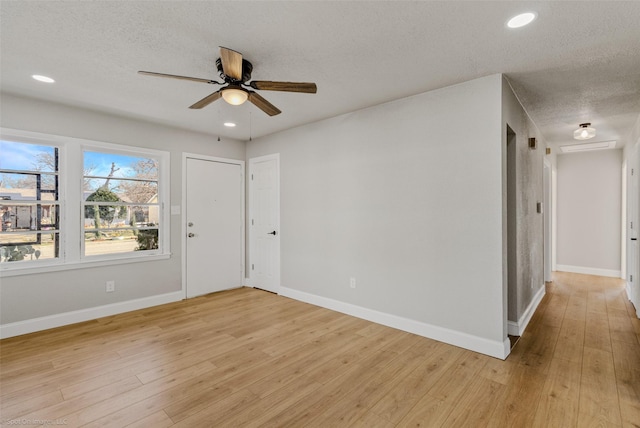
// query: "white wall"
[[52, 295], [407, 198], [589, 212]]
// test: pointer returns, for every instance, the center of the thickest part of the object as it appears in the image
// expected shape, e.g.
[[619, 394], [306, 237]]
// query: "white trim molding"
[[44, 323], [517, 328], [589, 271], [463, 340]]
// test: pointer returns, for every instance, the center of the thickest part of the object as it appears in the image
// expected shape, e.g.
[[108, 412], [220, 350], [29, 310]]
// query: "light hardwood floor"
[[248, 358]]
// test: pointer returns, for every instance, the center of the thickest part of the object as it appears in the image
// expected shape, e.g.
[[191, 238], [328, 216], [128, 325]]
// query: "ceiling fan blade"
[[231, 63], [263, 104], [173, 76], [207, 100], [265, 85]]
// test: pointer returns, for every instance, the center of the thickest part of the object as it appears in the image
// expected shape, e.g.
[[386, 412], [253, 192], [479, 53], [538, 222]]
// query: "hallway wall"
[[589, 212]]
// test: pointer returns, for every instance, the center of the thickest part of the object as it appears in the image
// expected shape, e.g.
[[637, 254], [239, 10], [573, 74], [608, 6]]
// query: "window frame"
[[71, 204]]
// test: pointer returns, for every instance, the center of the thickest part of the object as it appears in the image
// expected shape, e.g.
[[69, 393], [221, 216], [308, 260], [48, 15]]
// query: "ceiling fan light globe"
[[234, 96]]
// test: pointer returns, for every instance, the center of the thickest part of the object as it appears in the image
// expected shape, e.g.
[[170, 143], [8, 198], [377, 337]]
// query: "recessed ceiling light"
[[44, 79], [521, 20], [229, 124]]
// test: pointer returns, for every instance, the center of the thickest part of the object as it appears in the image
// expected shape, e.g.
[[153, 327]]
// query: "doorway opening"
[[512, 241]]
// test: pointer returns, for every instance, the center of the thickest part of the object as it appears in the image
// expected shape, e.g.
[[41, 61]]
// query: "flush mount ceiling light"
[[229, 124], [584, 132], [521, 20], [235, 95], [41, 78]]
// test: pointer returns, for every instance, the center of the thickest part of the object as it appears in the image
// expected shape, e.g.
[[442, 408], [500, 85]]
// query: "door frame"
[[251, 253], [182, 212]]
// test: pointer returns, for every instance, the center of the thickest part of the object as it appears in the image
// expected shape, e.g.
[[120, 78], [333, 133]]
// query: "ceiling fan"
[[236, 72]]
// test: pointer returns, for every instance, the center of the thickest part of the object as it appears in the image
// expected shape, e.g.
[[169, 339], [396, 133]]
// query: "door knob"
[[191, 235], [272, 233]]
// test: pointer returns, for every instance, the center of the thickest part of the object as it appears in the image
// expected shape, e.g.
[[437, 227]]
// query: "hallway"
[[584, 344]]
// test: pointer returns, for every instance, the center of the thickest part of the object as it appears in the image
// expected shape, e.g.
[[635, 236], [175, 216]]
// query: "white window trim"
[[70, 158]]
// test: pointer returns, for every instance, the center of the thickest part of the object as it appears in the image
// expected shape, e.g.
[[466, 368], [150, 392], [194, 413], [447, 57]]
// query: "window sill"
[[6, 272]]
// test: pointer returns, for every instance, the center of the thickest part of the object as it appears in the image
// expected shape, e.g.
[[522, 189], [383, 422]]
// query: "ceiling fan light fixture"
[[235, 96], [584, 132]]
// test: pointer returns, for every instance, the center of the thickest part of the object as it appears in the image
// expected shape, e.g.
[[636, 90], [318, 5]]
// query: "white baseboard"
[[517, 328], [495, 349], [44, 323], [589, 271]]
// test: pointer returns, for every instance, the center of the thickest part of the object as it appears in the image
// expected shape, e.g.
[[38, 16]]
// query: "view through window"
[[120, 203], [65, 201], [29, 202]]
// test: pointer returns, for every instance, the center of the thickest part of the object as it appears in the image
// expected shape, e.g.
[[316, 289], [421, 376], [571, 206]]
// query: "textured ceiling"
[[578, 62]]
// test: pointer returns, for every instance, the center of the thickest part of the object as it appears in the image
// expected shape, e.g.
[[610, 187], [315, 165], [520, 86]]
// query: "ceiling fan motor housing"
[[247, 68]]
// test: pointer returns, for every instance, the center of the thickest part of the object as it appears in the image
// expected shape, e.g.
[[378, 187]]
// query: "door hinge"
[[632, 171], [251, 176], [630, 278], [251, 222], [252, 267]]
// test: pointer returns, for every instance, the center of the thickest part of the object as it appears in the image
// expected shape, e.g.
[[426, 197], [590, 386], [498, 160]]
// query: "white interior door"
[[214, 219], [633, 222], [264, 222]]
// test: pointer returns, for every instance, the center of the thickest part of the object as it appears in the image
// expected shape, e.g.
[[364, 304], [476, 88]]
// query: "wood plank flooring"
[[248, 358]]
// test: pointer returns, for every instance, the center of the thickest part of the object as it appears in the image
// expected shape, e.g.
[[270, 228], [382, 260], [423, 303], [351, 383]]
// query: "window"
[[29, 202], [120, 203], [66, 201]]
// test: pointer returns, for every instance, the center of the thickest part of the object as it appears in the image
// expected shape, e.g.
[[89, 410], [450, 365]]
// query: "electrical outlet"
[[352, 282], [110, 286]]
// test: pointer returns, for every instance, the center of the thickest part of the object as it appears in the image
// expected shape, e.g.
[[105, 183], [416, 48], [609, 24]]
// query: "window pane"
[[120, 241], [28, 246], [29, 217], [114, 165], [120, 216], [144, 216], [105, 216], [26, 187], [27, 157], [124, 190]]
